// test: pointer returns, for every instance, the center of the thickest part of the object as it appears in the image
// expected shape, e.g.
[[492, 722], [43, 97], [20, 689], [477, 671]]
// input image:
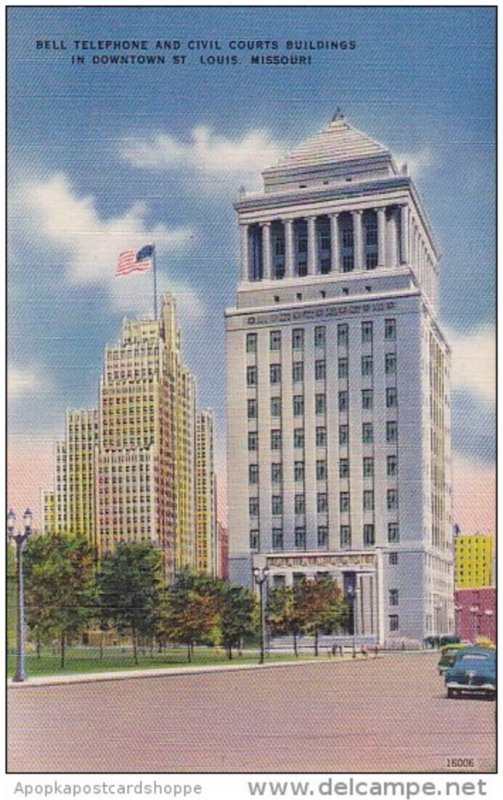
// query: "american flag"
[[132, 261]]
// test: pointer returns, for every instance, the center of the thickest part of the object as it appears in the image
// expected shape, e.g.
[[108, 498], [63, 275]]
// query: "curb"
[[62, 680]]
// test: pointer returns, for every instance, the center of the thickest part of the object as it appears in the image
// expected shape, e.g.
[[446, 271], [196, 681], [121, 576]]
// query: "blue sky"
[[102, 158]]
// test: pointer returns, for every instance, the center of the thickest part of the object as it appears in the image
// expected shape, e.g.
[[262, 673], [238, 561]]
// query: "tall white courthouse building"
[[338, 389]]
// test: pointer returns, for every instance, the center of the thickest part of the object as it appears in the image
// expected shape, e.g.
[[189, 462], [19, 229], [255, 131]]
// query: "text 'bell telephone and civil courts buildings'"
[[338, 388]]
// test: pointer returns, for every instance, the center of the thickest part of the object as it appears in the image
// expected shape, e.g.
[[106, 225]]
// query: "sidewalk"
[[132, 674]]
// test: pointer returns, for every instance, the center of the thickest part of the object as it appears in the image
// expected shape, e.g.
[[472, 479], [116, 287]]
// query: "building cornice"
[[335, 301], [342, 191], [374, 193]]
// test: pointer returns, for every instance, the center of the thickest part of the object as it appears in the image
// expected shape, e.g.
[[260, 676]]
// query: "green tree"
[[193, 606], [130, 586], [284, 615], [237, 615], [337, 613], [320, 606], [60, 589]]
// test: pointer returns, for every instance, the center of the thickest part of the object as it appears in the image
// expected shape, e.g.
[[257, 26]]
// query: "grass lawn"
[[87, 659]]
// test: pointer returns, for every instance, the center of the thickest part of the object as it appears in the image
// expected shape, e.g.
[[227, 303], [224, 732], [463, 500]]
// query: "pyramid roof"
[[338, 150]]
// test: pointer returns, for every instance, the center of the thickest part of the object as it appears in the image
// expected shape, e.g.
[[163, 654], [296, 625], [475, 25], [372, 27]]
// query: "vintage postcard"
[[251, 400]]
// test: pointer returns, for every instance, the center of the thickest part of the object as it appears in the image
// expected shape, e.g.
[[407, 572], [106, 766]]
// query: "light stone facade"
[[338, 388]]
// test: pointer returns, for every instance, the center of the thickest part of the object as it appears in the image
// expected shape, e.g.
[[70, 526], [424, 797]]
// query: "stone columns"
[[289, 254], [311, 246], [334, 242], [381, 237], [413, 245], [266, 251], [392, 241], [357, 608], [357, 239], [245, 252], [404, 234]]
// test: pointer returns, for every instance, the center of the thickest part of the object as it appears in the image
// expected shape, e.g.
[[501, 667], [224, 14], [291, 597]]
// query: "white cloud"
[[205, 151], [31, 380], [474, 361], [91, 243], [417, 162]]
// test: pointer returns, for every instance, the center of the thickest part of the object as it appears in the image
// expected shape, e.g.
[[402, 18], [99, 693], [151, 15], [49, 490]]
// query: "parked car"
[[484, 641], [449, 639], [448, 655], [473, 672]]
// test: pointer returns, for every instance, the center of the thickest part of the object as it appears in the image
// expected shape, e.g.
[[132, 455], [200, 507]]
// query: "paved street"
[[389, 715]]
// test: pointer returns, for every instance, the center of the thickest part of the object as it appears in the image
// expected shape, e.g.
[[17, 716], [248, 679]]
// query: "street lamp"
[[475, 610], [352, 591], [19, 537], [457, 611], [261, 575], [489, 614]]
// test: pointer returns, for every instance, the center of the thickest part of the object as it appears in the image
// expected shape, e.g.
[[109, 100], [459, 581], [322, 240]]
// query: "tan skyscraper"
[[81, 441], [205, 495], [127, 470], [48, 504], [145, 456], [72, 508], [61, 482]]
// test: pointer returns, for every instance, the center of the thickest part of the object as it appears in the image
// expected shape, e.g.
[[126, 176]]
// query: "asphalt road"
[[384, 715]]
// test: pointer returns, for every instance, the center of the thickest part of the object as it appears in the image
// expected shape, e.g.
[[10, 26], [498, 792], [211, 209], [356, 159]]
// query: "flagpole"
[[154, 271]]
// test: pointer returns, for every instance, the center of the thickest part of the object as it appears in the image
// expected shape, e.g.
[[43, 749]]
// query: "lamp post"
[[261, 575], [457, 611], [19, 537], [474, 611], [353, 594], [489, 614]]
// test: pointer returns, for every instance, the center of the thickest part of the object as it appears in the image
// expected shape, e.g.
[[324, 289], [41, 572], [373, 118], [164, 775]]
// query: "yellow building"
[[81, 441], [474, 561], [60, 495], [74, 494], [145, 456], [205, 495], [182, 436], [48, 504], [126, 471]]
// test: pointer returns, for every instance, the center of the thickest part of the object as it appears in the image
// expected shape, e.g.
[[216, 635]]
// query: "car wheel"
[[451, 693]]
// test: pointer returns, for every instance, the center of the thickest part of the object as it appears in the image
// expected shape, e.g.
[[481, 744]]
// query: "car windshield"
[[473, 657]]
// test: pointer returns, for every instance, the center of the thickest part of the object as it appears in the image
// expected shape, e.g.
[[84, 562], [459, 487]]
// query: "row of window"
[[320, 369], [367, 402], [322, 539], [320, 403], [321, 436], [298, 335], [322, 502], [322, 469]]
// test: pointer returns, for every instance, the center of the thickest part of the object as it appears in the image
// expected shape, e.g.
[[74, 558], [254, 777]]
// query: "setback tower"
[[338, 388]]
